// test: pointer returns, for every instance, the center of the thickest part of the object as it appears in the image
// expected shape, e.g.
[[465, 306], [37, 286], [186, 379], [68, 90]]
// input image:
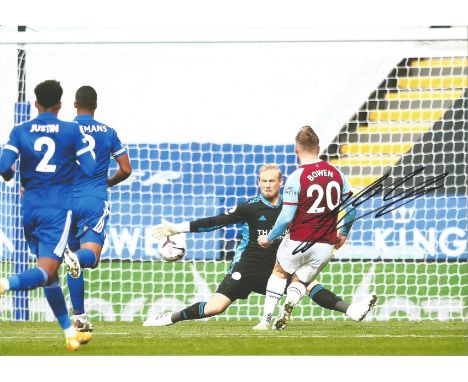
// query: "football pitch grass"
[[388, 338]]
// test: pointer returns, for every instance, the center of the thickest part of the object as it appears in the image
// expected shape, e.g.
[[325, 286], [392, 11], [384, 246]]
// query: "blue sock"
[[29, 279], [76, 288], [314, 290], [327, 299], [87, 258], [193, 312], [57, 303]]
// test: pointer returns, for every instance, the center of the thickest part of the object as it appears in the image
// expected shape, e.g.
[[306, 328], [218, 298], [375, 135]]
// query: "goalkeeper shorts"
[[240, 282]]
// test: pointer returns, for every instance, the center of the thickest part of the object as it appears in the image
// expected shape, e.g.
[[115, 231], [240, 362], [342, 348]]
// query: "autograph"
[[391, 196]]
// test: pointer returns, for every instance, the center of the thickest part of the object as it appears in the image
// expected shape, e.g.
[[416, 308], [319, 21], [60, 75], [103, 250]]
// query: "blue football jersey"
[[104, 142], [48, 149]]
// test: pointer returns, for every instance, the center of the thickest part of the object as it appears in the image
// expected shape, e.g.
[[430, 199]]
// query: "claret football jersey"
[[317, 189]]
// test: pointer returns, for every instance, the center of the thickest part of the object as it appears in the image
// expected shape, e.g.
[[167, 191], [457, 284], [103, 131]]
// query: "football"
[[172, 248]]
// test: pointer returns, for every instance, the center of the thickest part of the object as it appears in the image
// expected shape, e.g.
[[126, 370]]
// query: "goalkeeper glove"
[[168, 229]]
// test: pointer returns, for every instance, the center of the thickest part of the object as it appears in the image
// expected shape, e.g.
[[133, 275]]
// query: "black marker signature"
[[376, 188]]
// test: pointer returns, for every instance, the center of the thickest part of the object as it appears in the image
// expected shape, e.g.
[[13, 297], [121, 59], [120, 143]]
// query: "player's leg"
[[33, 277], [54, 295], [202, 309], [294, 293], [274, 291], [285, 265], [53, 292], [236, 285], [85, 251], [326, 298], [88, 257], [52, 232], [29, 279], [312, 262], [93, 215], [214, 306]]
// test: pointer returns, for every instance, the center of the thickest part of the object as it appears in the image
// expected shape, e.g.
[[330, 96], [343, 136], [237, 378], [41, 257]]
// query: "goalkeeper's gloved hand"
[[168, 229]]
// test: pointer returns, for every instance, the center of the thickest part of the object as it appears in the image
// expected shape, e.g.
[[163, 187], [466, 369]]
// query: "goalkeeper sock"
[[76, 288], [86, 257], [29, 279], [274, 292], [57, 303], [193, 312], [327, 299]]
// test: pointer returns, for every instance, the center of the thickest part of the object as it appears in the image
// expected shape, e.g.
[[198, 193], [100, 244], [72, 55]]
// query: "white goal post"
[[201, 112]]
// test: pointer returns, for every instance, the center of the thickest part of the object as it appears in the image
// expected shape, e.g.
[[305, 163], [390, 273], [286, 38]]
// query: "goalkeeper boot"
[[81, 338], [81, 323], [282, 321], [357, 311], [72, 263], [159, 320]]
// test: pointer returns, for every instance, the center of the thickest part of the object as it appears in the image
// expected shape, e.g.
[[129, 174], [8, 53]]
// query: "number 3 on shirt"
[[91, 143], [44, 165]]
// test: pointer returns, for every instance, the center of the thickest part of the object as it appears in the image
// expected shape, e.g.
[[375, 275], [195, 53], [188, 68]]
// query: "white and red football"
[[172, 248]]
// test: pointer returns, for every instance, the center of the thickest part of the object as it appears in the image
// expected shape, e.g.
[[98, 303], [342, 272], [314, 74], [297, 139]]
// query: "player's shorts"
[[307, 263], [46, 231], [241, 281], [90, 217]]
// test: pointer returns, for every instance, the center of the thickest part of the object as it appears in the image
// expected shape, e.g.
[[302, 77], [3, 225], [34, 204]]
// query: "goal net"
[[200, 118]]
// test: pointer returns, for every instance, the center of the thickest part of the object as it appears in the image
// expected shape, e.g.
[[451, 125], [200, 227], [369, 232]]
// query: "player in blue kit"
[[90, 205], [48, 149]]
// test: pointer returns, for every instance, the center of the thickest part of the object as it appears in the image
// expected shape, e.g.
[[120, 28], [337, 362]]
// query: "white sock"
[[296, 291], [274, 292], [5, 284], [70, 332]]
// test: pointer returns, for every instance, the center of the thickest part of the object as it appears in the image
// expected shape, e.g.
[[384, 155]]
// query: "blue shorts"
[[90, 216], [46, 231]]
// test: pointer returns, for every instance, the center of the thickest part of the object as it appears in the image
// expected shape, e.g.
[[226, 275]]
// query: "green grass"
[[237, 338]]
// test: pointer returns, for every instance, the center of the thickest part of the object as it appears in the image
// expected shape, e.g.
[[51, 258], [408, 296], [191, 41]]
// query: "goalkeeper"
[[252, 265]]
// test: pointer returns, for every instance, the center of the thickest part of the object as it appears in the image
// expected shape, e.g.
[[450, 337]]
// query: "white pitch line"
[[301, 336], [262, 335]]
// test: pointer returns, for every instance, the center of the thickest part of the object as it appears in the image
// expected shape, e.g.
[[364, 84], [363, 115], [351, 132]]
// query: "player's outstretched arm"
[[343, 232], [8, 156], [123, 172], [7, 166], [207, 224]]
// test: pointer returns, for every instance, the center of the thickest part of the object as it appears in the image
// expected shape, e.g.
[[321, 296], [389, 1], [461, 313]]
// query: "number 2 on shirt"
[[44, 165]]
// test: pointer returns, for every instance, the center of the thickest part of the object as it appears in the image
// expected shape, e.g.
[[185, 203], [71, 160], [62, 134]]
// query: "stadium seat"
[[407, 105]]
